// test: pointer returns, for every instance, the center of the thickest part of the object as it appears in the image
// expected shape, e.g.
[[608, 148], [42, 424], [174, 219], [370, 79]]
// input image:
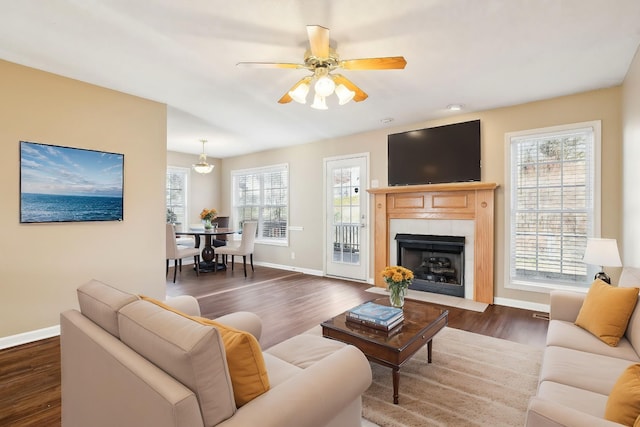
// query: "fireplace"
[[468, 201], [437, 262]]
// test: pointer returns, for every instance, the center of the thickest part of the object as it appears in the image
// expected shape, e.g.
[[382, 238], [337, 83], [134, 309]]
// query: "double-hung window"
[[262, 195], [553, 198], [176, 195]]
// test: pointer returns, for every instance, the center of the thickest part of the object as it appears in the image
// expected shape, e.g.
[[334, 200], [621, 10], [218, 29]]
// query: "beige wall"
[[41, 265], [306, 163], [631, 193], [203, 190]]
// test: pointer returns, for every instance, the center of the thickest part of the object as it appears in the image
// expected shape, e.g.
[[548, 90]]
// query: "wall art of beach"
[[64, 184]]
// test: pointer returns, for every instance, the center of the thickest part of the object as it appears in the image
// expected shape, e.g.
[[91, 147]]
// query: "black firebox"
[[437, 262]]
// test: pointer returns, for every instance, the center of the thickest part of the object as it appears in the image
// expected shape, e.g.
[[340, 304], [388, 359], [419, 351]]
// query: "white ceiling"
[[480, 53]]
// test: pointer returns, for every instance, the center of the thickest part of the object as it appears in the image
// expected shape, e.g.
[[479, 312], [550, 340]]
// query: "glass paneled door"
[[347, 212]]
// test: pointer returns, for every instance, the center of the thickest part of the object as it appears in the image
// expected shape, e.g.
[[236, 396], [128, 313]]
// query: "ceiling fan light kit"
[[322, 60], [299, 94], [324, 86], [319, 102], [202, 166], [344, 95]]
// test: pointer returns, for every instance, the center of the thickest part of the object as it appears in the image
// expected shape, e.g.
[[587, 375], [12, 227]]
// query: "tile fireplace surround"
[[463, 200]]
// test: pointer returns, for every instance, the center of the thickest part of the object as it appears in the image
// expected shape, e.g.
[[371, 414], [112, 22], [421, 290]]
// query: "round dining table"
[[207, 264]]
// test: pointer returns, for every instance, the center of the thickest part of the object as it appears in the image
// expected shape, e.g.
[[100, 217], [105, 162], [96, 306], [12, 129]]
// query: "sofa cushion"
[[606, 311], [630, 277], [101, 302], [623, 405], [191, 353], [567, 334], [304, 350], [246, 363], [244, 357], [633, 328], [579, 399], [580, 369]]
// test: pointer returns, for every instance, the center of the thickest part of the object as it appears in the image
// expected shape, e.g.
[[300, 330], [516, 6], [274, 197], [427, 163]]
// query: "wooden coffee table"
[[421, 323]]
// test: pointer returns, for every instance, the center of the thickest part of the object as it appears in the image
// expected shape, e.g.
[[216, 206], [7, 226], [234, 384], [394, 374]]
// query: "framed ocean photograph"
[[65, 184]]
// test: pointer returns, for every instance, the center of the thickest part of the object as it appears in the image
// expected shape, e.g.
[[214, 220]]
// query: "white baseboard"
[[533, 306], [290, 268], [27, 337]]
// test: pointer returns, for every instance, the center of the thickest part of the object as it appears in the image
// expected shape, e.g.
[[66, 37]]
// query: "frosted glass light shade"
[[344, 95], [324, 86], [299, 94], [202, 166], [319, 103]]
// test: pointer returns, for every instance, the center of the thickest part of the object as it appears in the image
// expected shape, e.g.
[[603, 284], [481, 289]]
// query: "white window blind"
[[552, 206], [176, 195], [263, 195]]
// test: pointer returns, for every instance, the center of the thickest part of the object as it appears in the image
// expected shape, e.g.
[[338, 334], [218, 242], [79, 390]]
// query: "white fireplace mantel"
[[465, 200]]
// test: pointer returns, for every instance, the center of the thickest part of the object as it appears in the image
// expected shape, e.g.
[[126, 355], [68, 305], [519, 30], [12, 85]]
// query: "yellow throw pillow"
[[606, 311], [623, 404], [244, 357]]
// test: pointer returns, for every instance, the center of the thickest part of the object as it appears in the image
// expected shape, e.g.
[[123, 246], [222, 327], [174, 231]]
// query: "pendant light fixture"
[[202, 166]]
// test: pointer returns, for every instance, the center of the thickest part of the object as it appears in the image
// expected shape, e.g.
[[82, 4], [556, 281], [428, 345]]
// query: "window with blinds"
[[263, 195], [553, 204], [176, 195]]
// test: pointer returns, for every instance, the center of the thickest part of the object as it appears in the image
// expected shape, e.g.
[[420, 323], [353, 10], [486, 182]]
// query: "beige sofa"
[[578, 370], [183, 379]]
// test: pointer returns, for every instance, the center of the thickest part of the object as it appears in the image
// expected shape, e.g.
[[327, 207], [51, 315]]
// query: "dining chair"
[[176, 252], [245, 247], [221, 240]]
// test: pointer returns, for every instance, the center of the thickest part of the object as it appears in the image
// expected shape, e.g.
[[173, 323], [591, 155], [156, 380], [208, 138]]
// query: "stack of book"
[[376, 316]]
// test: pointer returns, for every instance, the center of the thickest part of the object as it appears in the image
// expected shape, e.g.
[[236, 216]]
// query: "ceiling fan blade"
[[360, 94], [286, 98], [269, 65], [386, 63], [318, 41]]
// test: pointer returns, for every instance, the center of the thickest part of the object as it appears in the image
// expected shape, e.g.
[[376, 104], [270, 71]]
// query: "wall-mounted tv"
[[64, 184], [449, 153]]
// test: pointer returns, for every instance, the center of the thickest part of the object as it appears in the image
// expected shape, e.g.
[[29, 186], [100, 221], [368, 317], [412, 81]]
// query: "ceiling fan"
[[322, 60]]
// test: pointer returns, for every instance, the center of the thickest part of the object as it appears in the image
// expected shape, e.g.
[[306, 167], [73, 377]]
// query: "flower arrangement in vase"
[[398, 280], [208, 215]]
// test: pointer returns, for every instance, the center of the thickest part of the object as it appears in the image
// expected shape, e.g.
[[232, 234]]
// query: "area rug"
[[473, 380], [446, 300]]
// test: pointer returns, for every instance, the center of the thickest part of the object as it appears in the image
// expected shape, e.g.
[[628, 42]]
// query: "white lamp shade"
[[319, 103], [602, 252], [324, 86], [299, 94], [344, 95]]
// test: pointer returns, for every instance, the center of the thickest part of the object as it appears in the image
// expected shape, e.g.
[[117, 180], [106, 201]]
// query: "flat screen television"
[[449, 153], [65, 184]]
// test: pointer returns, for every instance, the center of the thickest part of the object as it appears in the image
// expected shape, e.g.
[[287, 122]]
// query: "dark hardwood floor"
[[288, 303]]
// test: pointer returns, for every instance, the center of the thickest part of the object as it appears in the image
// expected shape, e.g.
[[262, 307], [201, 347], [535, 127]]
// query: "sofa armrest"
[[544, 413], [313, 397], [565, 305], [243, 320], [184, 303]]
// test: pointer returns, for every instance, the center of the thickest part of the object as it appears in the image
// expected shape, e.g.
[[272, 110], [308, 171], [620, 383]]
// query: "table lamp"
[[603, 253]]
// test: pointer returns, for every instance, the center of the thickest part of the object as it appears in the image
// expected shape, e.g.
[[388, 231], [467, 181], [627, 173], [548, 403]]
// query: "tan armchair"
[[128, 362], [176, 252], [244, 248]]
